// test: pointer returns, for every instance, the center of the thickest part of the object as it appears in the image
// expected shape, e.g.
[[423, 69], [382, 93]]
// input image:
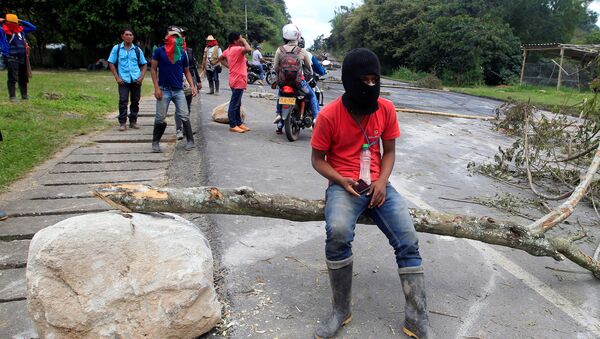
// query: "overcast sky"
[[595, 6], [312, 16]]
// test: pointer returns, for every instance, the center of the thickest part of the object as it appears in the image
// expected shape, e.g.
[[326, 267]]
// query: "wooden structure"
[[581, 53]]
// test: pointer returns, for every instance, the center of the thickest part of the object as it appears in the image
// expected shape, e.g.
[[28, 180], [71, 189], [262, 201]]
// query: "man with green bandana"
[[169, 64]]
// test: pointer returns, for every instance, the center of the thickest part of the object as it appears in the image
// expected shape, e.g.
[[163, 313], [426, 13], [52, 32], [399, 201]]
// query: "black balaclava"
[[359, 97]]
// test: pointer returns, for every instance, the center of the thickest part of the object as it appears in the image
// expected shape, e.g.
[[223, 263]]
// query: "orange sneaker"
[[236, 129], [244, 127]]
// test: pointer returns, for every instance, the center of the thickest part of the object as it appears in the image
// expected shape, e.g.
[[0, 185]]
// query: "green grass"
[[544, 96], [34, 130], [547, 97], [406, 74]]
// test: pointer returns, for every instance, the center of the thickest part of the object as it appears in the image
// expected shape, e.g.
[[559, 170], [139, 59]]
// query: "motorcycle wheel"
[[292, 125], [271, 77], [251, 78]]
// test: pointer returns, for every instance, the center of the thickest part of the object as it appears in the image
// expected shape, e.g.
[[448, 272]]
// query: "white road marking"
[[583, 318]]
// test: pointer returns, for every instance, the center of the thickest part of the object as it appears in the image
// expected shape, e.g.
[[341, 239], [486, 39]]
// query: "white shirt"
[[256, 56]]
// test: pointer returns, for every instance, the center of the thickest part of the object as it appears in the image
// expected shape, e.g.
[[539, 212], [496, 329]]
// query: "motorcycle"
[[253, 72], [316, 88], [295, 112]]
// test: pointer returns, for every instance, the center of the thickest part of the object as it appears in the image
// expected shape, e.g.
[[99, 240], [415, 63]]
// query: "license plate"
[[287, 101]]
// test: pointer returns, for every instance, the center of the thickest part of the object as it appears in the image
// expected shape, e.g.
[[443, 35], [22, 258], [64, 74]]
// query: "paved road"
[[60, 188], [276, 282], [272, 272]]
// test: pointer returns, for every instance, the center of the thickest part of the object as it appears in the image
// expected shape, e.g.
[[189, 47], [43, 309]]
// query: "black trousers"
[[129, 92], [17, 72]]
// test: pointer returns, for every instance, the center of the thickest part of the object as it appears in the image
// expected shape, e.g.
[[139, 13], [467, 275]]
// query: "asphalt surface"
[[271, 274], [275, 281]]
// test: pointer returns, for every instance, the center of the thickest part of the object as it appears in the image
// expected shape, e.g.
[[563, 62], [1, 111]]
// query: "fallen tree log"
[[246, 201]]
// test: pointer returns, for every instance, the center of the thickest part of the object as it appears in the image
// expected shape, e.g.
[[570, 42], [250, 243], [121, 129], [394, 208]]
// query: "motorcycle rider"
[[317, 69], [258, 61], [316, 66], [291, 35]]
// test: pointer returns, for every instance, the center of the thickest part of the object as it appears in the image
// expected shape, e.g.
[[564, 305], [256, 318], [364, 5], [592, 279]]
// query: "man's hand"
[[139, 80], [158, 94], [348, 184], [194, 91], [377, 193], [119, 81], [199, 87]]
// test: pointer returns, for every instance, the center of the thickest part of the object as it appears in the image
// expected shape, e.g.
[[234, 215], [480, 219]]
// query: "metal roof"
[[579, 52]]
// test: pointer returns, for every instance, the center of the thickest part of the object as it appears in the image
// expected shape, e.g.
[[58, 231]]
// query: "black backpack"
[[137, 50]]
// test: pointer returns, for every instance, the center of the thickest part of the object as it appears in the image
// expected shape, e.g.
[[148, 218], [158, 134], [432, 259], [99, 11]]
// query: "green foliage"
[[92, 27], [407, 74], [430, 81], [541, 96], [61, 105], [461, 41]]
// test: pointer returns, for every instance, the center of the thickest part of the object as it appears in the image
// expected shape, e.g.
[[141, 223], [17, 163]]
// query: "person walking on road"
[[128, 65], [169, 64], [187, 90], [346, 149], [15, 52], [234, 58], [210, 64]]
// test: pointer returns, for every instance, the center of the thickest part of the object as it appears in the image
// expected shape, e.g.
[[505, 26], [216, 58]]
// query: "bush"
[[407, 74], [430, 81]]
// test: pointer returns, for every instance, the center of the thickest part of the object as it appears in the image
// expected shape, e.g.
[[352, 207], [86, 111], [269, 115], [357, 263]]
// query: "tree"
[[245, 201], [463, 41], [546, 21], [91, 27], [463, 50]]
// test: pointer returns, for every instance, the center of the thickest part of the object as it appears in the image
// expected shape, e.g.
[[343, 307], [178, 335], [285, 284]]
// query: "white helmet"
[[291, 32]]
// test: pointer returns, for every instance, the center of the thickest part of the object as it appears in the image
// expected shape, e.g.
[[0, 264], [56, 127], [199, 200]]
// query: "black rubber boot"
[[157, 133], [340, 278], [416, 322], [189, 135], [12, 91], [212, 87], [217, 87], [23, 90]]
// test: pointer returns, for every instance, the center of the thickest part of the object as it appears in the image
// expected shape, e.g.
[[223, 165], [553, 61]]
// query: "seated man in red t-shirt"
[[360, 118]]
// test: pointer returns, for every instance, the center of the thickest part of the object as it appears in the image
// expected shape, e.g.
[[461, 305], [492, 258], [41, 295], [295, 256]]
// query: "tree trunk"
[[246, 201]]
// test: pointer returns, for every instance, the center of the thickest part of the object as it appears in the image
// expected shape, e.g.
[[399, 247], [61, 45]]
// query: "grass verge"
[[61, 106], [542, 96], [545, 97]]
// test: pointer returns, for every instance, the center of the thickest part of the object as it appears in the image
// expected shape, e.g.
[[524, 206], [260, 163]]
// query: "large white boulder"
[[219, 113], [114, 275]]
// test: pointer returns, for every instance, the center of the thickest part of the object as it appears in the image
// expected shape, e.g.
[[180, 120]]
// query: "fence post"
[[560, 69], [523, 67]]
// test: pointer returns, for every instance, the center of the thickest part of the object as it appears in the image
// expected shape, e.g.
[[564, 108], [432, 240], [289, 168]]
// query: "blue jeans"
[[162, 106], [310, 94], [342, 210], [261, 72], [235, 104]]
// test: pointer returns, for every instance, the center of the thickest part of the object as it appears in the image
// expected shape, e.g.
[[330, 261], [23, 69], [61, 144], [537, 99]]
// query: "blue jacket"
[[316, 66], [16, 49]]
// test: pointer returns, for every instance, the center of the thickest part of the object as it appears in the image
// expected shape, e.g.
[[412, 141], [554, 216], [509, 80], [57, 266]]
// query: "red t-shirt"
[[238, 71], [338, 133]]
